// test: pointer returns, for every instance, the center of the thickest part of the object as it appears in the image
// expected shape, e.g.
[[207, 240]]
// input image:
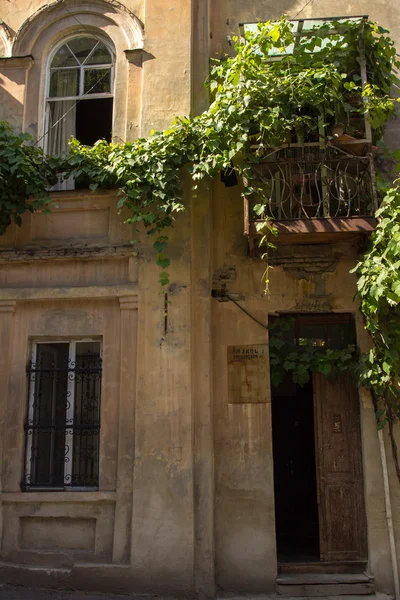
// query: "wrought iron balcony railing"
[[310, 182]]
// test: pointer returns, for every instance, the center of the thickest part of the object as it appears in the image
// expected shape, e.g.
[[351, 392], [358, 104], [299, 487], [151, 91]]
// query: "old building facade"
[[165, 481]]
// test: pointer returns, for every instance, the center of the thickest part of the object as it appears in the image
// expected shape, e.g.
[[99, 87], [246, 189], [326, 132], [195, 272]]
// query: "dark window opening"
[[94, 120], [93, 123]]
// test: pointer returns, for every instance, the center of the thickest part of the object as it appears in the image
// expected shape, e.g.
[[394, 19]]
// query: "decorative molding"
[[114, 11], [49, 496], [7, 306], [16, 62], [313, 304], [137, 56], [101, 292], [6, 36], [128, 302], [303, 261]]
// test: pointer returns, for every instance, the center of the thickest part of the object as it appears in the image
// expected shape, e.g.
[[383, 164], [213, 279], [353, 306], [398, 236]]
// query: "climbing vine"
[[378, 285], [274, 85]]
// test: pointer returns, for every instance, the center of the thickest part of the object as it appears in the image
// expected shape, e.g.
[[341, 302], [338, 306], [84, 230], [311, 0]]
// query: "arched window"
[[79, 99]]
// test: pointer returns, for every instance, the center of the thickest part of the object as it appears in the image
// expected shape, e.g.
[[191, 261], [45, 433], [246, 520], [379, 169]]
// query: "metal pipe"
[[389, 518]]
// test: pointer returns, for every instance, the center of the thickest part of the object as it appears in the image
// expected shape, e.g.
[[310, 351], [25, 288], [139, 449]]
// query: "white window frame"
[[82, 96], [69, 415]]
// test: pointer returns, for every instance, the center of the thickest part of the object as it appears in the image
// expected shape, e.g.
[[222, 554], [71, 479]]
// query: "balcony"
[[314, 194]]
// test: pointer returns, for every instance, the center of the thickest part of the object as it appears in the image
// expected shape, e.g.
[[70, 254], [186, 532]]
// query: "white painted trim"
[[28, 450], [99, 37], [69, 416]]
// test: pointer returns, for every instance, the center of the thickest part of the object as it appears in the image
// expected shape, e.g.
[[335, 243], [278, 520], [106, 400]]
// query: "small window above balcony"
[[303, 29]]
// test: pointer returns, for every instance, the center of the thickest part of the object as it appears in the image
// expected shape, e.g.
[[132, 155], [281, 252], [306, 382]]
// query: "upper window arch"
[[79, 93], [81, 67], [44, 34]]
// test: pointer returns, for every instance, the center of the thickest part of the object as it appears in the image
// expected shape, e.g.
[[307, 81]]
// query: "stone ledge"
[[63, 253], [53, 496], [101, 292]]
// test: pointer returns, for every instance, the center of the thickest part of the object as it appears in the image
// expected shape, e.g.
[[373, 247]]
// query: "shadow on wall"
[[11, 105]]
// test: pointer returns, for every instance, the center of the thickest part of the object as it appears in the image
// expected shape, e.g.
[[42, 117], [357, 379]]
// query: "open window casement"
[[79, 101]]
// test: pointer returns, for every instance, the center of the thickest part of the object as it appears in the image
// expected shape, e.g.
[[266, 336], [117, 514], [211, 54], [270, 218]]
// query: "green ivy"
[[378, 286]]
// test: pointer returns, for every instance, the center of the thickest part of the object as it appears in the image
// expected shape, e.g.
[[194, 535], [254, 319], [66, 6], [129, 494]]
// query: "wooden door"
[[343, 534]]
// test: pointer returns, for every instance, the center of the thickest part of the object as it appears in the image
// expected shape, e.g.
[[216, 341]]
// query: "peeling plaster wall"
[[186, 479]]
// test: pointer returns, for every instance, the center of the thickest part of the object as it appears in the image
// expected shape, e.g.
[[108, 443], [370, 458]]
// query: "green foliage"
[[256, 103], [378, 286], [25, 176], [301, 360]]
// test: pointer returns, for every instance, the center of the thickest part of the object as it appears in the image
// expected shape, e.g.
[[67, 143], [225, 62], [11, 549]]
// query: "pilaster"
[[7, 308], [126, 429]]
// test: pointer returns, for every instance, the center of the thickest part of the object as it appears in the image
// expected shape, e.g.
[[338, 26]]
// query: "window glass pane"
[[87, 414], [97, 81], [49, 376], [100, 56], [64, 82], [82, 47], [64, 58]]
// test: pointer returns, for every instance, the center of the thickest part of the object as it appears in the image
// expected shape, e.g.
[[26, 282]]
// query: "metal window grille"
[[63, 417]]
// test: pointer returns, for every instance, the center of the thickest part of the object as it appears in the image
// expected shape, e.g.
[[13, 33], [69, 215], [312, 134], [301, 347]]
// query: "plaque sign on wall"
[[248, 374]]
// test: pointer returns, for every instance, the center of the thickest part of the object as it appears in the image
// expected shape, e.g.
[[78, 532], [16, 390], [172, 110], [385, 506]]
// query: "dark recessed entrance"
[[319, 501], [296, 507]]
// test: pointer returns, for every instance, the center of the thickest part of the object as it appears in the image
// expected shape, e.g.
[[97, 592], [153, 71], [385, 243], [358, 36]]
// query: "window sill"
[[83, 193], [57, 496]]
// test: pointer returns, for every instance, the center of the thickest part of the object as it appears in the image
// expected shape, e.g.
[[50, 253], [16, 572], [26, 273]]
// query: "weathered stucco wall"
[[244, 509], [186, 479]]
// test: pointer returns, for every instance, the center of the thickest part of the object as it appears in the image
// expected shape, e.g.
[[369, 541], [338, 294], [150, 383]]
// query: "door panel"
[[339, 469]]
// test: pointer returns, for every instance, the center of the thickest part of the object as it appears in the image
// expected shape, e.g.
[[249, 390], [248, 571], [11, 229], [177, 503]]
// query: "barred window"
[[63, 417]]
